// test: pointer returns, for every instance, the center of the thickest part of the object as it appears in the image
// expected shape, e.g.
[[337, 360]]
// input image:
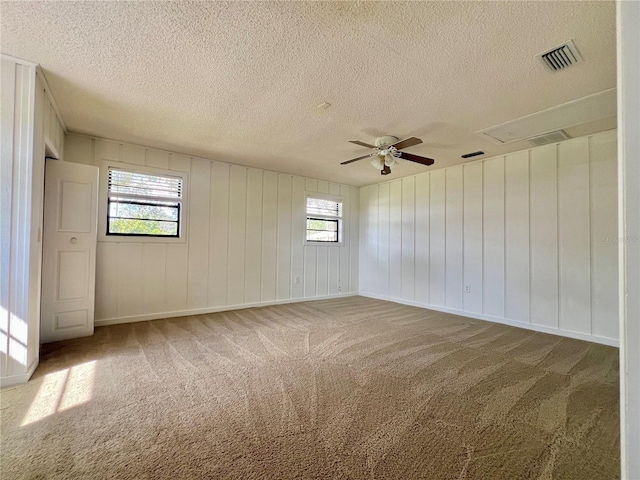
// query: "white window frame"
[[104, 200], [341, 220]]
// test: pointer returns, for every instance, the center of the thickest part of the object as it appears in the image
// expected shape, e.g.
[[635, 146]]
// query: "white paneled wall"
[[31, 129], [526, 239], [245, 242]]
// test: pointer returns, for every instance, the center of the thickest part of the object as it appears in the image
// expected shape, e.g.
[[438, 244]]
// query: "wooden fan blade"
[[362, 144], [355, 159], [417, 158], [409, 142]]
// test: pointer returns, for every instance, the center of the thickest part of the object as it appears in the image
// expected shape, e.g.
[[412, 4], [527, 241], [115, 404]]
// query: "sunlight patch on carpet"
[[61, 391]]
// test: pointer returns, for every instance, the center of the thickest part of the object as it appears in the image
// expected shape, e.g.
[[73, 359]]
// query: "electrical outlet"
[[297, 280], [339, 289], [467, 289]]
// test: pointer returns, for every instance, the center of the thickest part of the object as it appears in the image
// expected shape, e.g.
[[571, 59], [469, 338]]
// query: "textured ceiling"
[[241, 81]]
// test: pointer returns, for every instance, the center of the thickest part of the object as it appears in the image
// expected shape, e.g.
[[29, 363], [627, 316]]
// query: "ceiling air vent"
[[561, 57], [551, 137]]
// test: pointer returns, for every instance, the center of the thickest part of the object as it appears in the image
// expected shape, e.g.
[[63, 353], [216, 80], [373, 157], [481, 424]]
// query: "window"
[[143, 204], [324, 219]]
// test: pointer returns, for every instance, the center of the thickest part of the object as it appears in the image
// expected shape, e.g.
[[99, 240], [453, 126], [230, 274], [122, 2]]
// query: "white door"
[[69, 250]]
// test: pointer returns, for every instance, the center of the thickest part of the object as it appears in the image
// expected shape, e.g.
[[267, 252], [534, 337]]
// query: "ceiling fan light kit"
[[387, 151], [377, 162]]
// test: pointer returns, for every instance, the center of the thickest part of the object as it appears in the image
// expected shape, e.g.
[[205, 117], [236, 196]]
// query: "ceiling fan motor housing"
[[387, 140]]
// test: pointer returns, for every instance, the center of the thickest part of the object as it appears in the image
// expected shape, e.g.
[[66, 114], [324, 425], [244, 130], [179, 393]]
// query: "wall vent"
[[551, 137], [472, 154], [561, 57]]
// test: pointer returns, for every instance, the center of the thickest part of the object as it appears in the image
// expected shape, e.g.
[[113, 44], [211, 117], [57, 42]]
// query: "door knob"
[[74, 240]]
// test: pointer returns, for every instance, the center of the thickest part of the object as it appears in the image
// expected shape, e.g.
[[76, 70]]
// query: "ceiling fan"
[[387, 151]]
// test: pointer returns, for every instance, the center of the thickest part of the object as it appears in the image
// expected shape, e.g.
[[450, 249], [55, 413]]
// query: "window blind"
[[133, 183], [324, 208]]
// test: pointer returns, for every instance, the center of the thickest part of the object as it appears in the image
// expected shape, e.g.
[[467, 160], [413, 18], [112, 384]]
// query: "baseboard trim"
[[21, 378], [478, 316], [200, 311]]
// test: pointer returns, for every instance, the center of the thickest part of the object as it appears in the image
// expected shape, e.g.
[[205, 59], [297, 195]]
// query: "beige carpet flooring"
[[352, 388]]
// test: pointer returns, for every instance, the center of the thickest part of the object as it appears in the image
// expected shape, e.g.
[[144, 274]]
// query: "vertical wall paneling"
[[37, 216], [310, 268], [133, 154], [237, 238], [311, 185], [16, 220], [351, 243], [130, 279], [628, 79], [526, 239], [422, 237], [46, 120], [175, 285], [354, 255], [29, 126], [311, 252], [321, 186], [269, 235], [333, 261], [604, 241], [544, 236], [107, 280], [81, 150], [517, 236], [322, 270], [371, 273], [472, 224], [407, 247], [179, 163], [198, 276], [574, 236], [333, 273], [354, 250], [383, 238], [253, 242], [395, 238], [494, 237], [298, 207], [453, 237], [364, 232], [48, 139], [244, 244], [53, 128], [283, 289], [157, 158], [104, 150], [153, 277], [218, 234], [437, 238]]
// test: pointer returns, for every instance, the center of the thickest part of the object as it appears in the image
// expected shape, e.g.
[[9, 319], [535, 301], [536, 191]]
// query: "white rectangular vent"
[[551, 137], [561, 57]]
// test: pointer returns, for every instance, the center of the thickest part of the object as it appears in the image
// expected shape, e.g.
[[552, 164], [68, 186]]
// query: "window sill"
[[139, 239], [323, 244]]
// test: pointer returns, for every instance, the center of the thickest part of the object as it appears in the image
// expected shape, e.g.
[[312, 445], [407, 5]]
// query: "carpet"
[[351, 388]]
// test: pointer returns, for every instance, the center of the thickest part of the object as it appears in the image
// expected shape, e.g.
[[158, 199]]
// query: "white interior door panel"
[[69, 250]]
